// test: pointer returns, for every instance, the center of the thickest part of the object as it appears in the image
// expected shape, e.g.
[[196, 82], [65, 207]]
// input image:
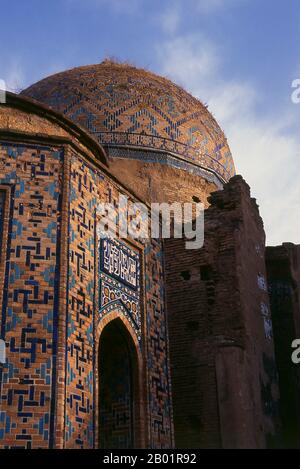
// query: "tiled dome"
[[123, 106]]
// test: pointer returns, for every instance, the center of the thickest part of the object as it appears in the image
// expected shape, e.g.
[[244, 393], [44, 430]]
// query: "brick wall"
[[221, 349], [158, 182]]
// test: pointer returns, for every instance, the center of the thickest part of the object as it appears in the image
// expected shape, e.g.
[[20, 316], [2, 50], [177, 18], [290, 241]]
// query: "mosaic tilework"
[[29, 307], [125, 106], [88, 187], [85, 189], [2, 201], [157, 364], [119, 272], [29, 318]]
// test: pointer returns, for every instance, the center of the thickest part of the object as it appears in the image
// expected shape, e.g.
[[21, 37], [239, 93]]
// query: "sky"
[[239, 57]]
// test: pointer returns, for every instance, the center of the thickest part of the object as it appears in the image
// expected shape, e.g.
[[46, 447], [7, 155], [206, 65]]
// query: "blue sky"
[[239, 56]]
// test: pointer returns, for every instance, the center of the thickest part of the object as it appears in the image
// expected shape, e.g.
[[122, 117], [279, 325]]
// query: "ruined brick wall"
[[283, 271], [221, 349]]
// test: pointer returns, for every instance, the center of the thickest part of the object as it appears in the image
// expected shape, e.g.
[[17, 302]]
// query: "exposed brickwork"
[[283, 270], [222, 364], [155, 182]]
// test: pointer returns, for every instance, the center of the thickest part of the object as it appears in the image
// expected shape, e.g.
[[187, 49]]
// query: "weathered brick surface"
[[154, 182], [283, 270], [221, 350]]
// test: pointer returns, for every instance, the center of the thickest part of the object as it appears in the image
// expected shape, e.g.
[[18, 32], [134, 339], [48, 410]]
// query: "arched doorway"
[[118, 387]]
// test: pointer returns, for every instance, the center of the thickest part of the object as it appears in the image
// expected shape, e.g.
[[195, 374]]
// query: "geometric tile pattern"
[[81, 354], [120, 281], [122, 106], [158, 370], [86, 290], [30, 301], [2, 208], [29, 310]]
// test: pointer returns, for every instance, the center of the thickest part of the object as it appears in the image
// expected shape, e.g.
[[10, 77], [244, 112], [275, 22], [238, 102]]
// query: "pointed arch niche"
[[120, 393]]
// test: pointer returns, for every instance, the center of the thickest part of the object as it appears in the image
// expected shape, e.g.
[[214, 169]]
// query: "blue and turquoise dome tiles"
[[121, 105]]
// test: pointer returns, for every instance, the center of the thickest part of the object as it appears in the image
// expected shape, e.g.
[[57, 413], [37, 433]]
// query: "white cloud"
[[268, 159], [17, 74], [264, 149], [189, 60], [13, 75]]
